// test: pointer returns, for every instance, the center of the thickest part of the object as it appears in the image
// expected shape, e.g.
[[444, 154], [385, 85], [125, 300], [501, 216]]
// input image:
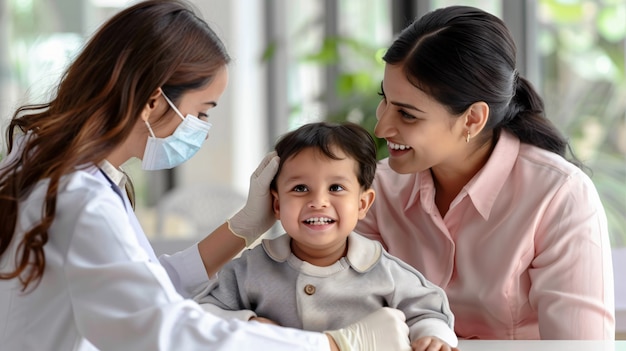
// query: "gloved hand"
[[257, 216], [384, 329]]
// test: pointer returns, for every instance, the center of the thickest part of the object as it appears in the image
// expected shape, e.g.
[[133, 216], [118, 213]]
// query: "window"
[[582, 47], [573, 51], [323, 60]]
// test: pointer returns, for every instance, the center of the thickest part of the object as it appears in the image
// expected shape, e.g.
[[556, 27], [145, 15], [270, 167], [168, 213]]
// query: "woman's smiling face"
[[420, 132]]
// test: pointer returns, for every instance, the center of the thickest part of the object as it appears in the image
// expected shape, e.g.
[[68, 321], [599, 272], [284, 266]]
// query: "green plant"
[[357, 86], [582, 43], [358, 89]]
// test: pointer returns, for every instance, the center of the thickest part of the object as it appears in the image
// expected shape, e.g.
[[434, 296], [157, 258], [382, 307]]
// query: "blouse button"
[[309, 289]]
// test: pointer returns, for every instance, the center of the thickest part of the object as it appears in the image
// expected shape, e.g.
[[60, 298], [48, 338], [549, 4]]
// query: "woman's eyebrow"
[[407, 106]]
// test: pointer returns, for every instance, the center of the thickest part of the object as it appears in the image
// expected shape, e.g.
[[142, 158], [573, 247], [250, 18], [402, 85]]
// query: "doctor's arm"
[[247, 225], [218, 248], [190, 269]]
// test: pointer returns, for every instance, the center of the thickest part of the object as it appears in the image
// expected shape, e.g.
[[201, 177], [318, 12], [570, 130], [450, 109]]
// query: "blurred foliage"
[[358, 67], [583, 48], [358, 88]]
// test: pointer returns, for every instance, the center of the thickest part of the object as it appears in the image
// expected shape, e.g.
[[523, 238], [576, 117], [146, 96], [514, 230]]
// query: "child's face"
[[319, 201]]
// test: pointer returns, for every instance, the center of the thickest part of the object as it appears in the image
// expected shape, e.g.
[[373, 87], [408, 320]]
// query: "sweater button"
[[309, 289]]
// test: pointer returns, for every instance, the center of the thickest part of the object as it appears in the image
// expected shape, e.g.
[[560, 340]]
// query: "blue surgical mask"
[[169, 152]]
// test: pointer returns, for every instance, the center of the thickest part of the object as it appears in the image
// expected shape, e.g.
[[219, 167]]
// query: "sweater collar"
[[362, 255]]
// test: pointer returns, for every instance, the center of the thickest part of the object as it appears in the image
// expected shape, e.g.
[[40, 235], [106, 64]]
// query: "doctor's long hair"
[[159, 43]]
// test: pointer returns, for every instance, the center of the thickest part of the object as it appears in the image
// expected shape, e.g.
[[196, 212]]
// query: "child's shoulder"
[[255, 256], [372, 255], [363, 253]]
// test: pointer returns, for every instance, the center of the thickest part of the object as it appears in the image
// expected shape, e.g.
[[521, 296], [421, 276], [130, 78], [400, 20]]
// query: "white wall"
[[238, 139]]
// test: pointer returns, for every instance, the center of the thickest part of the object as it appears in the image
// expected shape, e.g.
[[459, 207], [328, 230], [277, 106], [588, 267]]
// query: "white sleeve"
[[122, 301], [242, 315], [186, 271], [434, 327]]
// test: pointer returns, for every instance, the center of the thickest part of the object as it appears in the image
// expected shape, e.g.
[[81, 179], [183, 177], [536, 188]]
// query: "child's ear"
[[365, 202], [275, 204]]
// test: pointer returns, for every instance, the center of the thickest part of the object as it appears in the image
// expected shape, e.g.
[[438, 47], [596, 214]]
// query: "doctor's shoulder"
[[85, 188], [80, 194]]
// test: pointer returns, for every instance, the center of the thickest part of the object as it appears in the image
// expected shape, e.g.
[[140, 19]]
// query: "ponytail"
[[526, 119]]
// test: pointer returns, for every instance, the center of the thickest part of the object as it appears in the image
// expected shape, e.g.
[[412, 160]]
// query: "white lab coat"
[[101, 290]]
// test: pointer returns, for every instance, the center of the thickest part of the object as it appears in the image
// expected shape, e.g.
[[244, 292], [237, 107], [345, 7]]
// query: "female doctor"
[[76, 270]]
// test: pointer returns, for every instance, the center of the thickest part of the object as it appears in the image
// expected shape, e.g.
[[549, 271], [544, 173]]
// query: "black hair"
[[461, 55], [351, 138]]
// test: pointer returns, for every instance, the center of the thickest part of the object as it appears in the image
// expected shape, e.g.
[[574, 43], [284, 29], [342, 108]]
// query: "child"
[[320, 275]]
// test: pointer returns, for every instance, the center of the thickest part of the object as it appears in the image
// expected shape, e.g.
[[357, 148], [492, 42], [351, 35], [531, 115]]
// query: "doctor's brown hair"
[[153, 44]]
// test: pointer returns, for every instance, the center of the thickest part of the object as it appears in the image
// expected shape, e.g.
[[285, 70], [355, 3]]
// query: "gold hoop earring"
[[467, 138]]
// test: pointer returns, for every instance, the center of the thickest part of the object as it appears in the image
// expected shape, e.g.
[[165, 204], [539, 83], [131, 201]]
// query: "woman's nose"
[[383, 128]]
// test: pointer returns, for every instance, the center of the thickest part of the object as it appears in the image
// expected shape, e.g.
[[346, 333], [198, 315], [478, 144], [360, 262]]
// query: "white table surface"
[[541, 345]]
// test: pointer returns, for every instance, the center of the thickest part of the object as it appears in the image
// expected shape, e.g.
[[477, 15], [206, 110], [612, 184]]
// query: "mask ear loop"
[[149, 128], [173, 106]]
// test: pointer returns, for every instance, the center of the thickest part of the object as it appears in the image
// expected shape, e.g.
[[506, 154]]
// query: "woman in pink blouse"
[[477, 193]]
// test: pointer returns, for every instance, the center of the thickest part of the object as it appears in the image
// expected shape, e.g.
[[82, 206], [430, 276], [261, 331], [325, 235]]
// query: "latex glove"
[[384, 329], [257, 216]]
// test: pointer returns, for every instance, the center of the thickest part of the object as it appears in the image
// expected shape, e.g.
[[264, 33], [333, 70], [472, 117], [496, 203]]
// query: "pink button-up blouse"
[[523, 252]]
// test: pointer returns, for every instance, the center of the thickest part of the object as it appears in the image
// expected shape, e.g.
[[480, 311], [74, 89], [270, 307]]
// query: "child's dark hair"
[[351, 138]]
